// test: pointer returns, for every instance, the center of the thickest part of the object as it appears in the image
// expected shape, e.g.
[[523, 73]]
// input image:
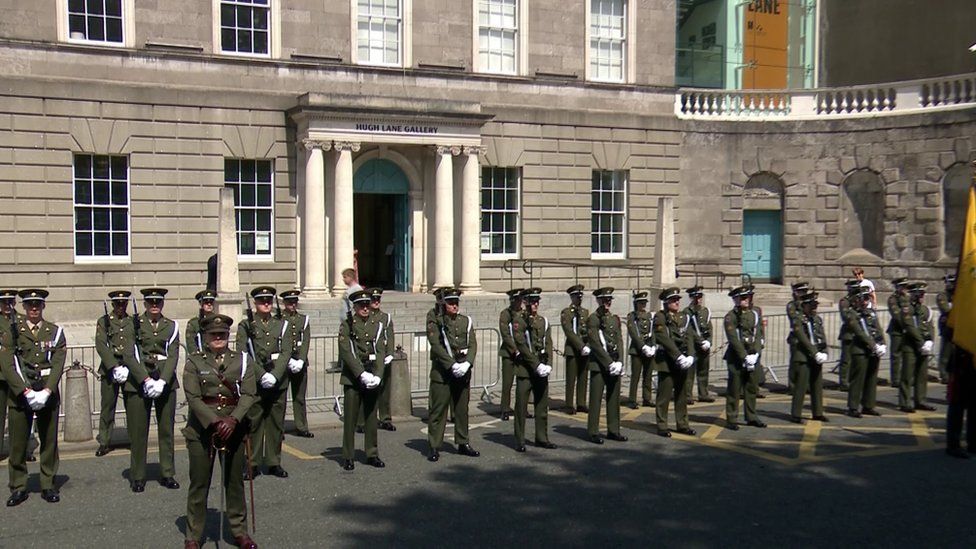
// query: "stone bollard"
[[76, 403], [400, 402]]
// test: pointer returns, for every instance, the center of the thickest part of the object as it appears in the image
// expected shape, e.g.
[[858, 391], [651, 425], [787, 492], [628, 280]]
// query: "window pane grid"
[[101, 206], [378, 34], [245, 26], [95, 20], [253, 184], [499, 210], [608, 39], [497, 35], [608, 213]]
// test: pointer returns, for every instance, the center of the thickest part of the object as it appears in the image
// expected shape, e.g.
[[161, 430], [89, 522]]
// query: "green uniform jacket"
[[843, 306], [701, 323], [452, 340], [639, 330], [301, 335], [895, 302], [794, 314], [7, 344], [915, 320], [115, 343], [388, 336], [534, 345], [41, 359], [944, 301], [507, 327], [573, 320], [867, 332], [808, 336], [159, 351], [744, 331], [269, 344], [360, 348], [605, 339], [673, 339], [194, 339], [201, 378]]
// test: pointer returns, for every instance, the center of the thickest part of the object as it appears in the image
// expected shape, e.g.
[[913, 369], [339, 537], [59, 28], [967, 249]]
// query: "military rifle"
[[250, 328]]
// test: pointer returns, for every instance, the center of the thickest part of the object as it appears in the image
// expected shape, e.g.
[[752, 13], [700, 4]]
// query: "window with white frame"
[[96, 21], [253, 184], [379, 32], [608, 40], [101, 203], [608, 213], [500, 211], [245, 27], [498, 25]]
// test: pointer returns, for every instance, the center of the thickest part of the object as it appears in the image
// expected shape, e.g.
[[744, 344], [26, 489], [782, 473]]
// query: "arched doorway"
[[762, 228], [381, 232]]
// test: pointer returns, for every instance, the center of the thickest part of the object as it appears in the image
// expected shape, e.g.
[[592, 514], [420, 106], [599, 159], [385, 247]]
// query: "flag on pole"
[[962, 317]]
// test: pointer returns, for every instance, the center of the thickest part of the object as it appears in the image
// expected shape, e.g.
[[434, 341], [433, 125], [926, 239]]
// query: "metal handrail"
[[530, 266]]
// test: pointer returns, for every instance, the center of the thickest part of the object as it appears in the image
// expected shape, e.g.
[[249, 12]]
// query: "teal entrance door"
[[762, 244], [382, 224]]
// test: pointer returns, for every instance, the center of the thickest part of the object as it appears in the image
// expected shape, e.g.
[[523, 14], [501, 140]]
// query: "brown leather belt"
[[220, 401]]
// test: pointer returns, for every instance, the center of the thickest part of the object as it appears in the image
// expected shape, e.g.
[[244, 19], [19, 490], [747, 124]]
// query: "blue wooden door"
[[762, 244], [381, 176]]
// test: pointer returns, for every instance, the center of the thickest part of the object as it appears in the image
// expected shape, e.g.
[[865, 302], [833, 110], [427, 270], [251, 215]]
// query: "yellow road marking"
[[921, 431], [811, 434], [715, 429], [291, 450], [632, 415]]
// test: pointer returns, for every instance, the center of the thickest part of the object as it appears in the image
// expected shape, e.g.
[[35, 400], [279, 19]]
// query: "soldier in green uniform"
[[576, 350], [532, 369], [673, 360], [433, 322], [897, 300], [867, 349], [641, 349], [301, 336], [8, 318], [453, 349], [744, 332], [152, 382], [115, 343], [362, 354], [845, 336], [32, 364], [701, 331], [507, 350], [917, 333], [269, 342], [388, 339], [194, 341], [606, 343], [808, 354], [946, 348], [794, 313], [220, 388]]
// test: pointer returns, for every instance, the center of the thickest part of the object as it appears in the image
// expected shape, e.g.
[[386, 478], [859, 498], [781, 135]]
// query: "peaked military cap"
[[8, 294], [741, 291], [668, 294], [375, 293], [33, 294], [800, 286], [360, 296], [290, 294], [451, 293], [216, 323], [603, 292], [439, 293], [154, 293], [515, 293], [917, 286], [949, 279], [641, 296], [532, 294], [695, 291], [862, 291], [575, 289], [899, 282], [263, 291], [208, 295], [119, 295], [809, 297]]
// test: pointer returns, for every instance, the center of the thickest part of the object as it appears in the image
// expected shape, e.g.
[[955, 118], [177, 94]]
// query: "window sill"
[[103, 260]]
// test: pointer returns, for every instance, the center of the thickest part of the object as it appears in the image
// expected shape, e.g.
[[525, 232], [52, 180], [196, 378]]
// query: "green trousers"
[[807, 377], [202, 458], [700, 370], [508, 379], [741, 384], [385, 391], [106, 412], [672, 385], [21, 419], [455, 392], [137, 410], [844, 365], [576, 376], [914, 373], [359, 403], [3, 412], [946, 349], [298, 384], [539, 389], [267, 417], [895, 359], [641, 375], [600, 380], [864, 381]]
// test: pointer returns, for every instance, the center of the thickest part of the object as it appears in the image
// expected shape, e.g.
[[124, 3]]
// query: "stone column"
[[443, 234], [229, 299], [342, 215], [315, 248], [471, 221], [664, 263]]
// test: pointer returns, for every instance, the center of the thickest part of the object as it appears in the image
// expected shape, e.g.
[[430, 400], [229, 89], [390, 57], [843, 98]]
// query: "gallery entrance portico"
[[378, 169]]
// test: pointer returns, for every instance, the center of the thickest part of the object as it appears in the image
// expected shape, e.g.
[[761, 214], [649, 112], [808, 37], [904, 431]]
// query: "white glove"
[[149, 388], [820, 358], [752, 359], [585, 351], [880, 350], [120, 374], [35, 399], [366, 379], [373, 382], [647, 350], [686, 361], [465, 366], [295, 365], [927, 347], [543, 370], [160, 386], [706, 345], [268, 380], [388, 360], [616, 368]]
